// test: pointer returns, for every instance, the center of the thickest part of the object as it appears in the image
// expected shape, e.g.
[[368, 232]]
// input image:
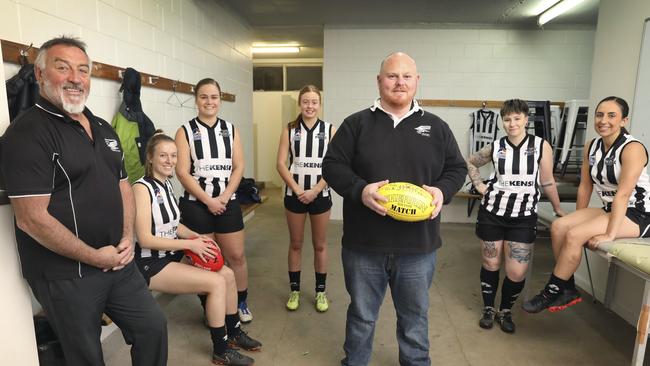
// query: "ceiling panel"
[[303, 21]]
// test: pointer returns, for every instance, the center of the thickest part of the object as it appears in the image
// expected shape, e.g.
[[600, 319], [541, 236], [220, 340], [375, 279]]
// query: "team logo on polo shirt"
[[296, 136], [320, 135], [423, 130], [196, 134], [610, 161], [113, 145], [224, 133], [501, 154]]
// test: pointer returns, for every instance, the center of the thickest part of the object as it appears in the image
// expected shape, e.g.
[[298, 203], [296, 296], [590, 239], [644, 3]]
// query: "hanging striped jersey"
[[605, 170], [211, 150], [164, 215], [307, 147], [513, 187], [483, 129]]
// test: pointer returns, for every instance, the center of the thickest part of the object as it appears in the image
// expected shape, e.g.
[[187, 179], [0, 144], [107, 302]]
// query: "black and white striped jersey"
[[483, 129], [513, 187], [164, 215], [307, 147], [211, 150], [605, 170]]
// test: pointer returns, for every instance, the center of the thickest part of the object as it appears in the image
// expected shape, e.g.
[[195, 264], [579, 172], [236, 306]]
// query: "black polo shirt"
[[46, 153]]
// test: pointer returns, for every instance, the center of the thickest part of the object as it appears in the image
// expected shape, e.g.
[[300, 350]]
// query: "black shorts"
[[638, 217], [490, 227], [196, 216], [318, 206], [150, 266]]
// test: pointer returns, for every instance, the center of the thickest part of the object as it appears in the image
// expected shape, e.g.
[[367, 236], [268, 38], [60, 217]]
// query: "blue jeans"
[[366, 276]]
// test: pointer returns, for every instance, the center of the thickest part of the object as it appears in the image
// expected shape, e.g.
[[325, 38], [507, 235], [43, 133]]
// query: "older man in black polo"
[[64, 173]]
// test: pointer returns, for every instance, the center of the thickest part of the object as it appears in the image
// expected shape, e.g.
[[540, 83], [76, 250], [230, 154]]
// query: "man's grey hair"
[[62, 40]]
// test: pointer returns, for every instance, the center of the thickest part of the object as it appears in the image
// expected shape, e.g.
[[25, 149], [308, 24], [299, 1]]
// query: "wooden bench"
[[547, 216], [471, 198], [248, 209]]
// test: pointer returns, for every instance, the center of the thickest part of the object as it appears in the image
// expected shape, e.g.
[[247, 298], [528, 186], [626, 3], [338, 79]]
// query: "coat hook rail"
[[18, 53]]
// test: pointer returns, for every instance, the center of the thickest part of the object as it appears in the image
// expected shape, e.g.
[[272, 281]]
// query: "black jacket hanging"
[[22, 91]]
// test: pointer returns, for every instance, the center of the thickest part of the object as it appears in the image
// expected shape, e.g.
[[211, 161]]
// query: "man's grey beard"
[[72, 108]]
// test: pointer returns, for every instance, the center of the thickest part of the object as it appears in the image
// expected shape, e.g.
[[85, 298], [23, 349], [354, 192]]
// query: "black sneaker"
[[487, 319], [244, 341], [232, 358], [504, 318], [568, 297], [538, 303]]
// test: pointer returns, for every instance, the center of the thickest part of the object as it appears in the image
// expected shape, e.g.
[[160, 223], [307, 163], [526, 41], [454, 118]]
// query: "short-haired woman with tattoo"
[[507, 217]]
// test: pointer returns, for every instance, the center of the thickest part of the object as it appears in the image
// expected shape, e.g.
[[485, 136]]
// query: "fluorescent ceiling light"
[[558, 9], [542, 6], [285, 44], [292, 49]]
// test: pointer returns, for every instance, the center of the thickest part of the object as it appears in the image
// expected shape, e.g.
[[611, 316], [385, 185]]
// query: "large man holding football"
[[394, 140]]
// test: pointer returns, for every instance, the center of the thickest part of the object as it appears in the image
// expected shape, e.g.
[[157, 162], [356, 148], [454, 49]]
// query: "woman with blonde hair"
[[304, 143], [161, 240]]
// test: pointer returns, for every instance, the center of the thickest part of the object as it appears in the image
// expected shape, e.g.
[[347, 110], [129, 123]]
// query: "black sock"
[[509, 292], [219, 339], [232, 325], [555, 286], [241, 296], [320, 281], [571, 283], [489, 285], [294, 280], [203, 299]]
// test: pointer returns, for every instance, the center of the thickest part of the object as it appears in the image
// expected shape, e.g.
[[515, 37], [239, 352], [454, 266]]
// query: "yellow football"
[[406, 201]]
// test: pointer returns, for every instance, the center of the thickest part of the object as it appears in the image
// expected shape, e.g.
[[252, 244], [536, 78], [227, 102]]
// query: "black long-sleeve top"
[[421, 149]]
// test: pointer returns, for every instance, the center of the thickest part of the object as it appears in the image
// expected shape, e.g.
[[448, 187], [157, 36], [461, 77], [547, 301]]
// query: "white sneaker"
[[245, 315]]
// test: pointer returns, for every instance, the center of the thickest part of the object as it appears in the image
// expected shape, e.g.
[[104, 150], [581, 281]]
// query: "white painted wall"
[[454, 63], [16, 310], [617, 47], [179, 39], [271, 111]]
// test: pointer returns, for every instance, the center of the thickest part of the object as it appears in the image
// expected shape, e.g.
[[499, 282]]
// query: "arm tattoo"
[[490, 249], [477, 160], [474, 174], [520, 251]]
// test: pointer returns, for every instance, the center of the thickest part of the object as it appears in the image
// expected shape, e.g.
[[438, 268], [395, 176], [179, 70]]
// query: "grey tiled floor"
[[586, 334]]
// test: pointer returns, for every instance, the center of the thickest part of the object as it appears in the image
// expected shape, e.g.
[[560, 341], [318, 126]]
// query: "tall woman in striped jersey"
[[304, 141], [210, 167], [615, 163], [159, 250], [507, 218]]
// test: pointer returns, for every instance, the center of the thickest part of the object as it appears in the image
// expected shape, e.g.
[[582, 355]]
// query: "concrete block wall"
[[473, 63], [178, 39]]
